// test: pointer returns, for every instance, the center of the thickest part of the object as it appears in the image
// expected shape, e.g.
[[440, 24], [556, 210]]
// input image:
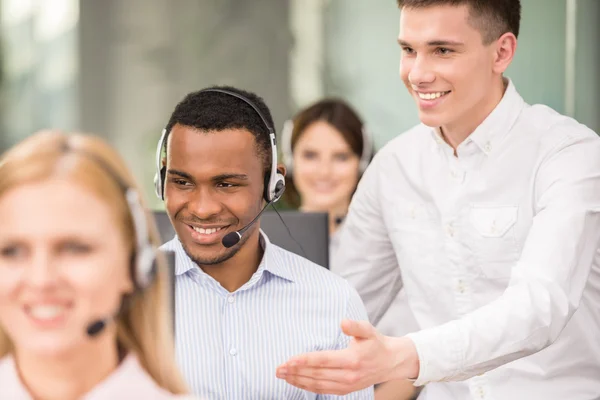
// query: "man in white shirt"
[[490, 208]]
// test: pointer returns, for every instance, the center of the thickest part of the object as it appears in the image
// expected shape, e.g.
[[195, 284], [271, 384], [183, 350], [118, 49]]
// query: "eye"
[[73, 247], [180, 182], [444, 51], [309, 155], [226, 185], [342, 157], [12, 251], [407, 50]]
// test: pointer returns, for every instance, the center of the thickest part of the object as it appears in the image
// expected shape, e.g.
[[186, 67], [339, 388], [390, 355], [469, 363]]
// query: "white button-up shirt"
[[498, 250]]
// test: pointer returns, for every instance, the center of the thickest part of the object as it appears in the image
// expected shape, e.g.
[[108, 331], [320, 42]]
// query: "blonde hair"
[[145, 327]]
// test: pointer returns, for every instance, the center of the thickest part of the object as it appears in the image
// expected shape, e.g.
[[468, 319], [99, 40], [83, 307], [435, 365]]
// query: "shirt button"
[[461, 286], [487, 147], [230, 299], [233, 352], [450, 230]]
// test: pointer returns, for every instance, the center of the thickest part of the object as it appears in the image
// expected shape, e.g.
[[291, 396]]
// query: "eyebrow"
[[224, 177], [433, 43], [180, 173], [217, 178]]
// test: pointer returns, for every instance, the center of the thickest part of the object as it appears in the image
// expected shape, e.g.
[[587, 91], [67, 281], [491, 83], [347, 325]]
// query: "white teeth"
[[431, 96], [46, 312], [206, 231]]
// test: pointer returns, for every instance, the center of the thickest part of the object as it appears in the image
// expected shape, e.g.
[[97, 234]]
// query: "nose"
[[420, 71], [42, 272], [205, 204], [325, 167]]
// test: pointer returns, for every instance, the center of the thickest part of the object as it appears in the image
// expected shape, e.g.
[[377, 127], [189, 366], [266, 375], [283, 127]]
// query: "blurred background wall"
[[118, 67]]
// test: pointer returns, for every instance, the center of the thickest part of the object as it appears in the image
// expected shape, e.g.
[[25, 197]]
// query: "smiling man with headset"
[[243, 304]]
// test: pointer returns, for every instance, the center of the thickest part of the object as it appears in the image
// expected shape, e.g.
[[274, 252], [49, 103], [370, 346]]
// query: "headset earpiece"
[[272, 179]]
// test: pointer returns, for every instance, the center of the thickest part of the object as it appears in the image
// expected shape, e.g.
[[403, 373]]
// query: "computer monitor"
[[308, 234]]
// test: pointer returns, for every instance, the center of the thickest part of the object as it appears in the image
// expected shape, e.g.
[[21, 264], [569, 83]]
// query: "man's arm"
[[545, 290], [366, 258], [546, 284]]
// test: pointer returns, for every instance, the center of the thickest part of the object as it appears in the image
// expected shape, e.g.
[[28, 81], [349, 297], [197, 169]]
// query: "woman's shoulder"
[[7, 364]]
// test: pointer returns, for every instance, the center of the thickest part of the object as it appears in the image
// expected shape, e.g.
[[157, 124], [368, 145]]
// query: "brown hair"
[[492, 18], [338, 114], [145, 328]]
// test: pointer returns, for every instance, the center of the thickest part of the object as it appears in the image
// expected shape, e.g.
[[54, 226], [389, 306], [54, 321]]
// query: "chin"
[[432, 121], [49, 345], [217, 253], [325, 202]]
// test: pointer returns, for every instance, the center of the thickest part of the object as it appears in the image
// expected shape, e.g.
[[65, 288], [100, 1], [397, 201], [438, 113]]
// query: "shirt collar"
[[271, 262], [488, 134]]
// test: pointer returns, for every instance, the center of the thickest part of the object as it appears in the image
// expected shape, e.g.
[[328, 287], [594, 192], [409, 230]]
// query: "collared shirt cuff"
[[440, 354]]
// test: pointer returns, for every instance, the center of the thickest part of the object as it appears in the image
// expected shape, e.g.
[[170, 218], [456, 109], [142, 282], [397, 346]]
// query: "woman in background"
[[84, 311], [326, 149]]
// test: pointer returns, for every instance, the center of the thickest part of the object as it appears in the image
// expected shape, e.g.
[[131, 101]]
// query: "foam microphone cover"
[[231, 239]]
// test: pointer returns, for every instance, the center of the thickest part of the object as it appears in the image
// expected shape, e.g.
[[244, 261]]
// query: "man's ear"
[[504, 52], [281, 169]]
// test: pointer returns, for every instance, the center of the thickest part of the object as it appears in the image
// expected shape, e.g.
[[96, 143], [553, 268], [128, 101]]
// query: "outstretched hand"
[[369, 359]]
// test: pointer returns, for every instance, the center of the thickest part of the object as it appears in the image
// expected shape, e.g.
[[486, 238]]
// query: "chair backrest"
[[308, 234]]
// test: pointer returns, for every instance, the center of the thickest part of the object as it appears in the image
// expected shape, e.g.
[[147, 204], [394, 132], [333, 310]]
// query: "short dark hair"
[[214, 111], [492, 18]]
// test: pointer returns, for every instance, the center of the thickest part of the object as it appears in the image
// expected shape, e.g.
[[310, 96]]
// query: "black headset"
[[274, 180]]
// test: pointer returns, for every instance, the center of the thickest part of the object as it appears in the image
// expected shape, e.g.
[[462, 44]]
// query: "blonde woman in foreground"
[[84, 311]]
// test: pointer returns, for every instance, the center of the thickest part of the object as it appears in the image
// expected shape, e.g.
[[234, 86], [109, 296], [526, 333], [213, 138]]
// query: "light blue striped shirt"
[[228, 345]]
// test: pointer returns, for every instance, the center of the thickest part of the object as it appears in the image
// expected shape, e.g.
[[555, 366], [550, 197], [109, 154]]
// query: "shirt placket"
[[231, 344], [455, 183]]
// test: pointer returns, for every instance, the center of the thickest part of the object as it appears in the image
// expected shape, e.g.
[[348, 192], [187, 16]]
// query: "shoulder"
[[404, 152], [313, 277], [5, 362], [553, 131], [171, 245], [406, 142], [7, 366], [11, 387]]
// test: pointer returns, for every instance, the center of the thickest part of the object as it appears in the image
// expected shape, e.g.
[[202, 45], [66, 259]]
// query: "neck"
[[236, 271], [455, 133], [334, 212], [68, 376]]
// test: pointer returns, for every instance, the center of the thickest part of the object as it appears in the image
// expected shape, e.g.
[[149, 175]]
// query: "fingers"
[[324, 380], [358, 329], [324, 359]]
